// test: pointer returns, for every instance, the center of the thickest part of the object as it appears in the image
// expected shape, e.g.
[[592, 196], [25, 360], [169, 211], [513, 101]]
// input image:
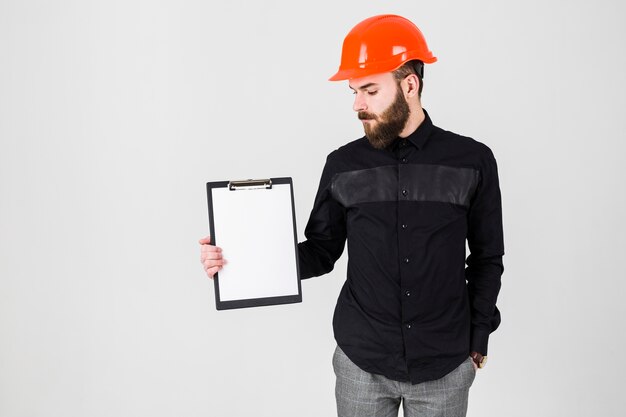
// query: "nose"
[[359, 103]]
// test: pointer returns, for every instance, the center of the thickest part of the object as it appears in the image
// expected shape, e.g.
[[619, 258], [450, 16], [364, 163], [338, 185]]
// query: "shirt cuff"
[[480, 339]]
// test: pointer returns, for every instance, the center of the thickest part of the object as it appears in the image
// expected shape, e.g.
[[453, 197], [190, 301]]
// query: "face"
[[381, 106]]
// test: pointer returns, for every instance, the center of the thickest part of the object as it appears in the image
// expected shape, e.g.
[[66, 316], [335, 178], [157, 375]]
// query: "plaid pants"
[[361, 394]]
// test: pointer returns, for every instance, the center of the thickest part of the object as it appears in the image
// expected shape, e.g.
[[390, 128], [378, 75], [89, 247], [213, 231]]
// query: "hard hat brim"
[[351, 73]]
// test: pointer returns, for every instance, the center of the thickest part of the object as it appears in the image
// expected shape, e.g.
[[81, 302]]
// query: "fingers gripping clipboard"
[[254, 223]]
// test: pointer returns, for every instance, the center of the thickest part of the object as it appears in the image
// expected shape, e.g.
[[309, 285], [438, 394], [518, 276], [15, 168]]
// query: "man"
[[412, 322]]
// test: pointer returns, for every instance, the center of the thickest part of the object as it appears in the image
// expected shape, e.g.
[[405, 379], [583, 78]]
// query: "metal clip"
[[250, 184]]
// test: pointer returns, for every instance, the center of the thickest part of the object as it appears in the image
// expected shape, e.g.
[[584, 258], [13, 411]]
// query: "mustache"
[[363, 115]]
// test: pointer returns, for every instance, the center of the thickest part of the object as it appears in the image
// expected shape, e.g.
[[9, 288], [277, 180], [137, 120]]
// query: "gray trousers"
[[361, 394]]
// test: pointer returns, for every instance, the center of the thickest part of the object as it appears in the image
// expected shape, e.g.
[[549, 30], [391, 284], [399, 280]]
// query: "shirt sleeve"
[[484, 264], [325, 230]]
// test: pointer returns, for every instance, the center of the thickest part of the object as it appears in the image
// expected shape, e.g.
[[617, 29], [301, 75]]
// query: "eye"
[[372, 93]]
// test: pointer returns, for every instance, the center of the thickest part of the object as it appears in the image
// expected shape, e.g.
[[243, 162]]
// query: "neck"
[[416, 118]]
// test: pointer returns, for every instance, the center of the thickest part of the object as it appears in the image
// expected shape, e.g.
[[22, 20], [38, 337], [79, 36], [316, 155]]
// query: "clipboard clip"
[[250, 185]]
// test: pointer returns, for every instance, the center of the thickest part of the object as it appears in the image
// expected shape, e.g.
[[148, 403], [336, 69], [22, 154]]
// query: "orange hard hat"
[[380, 44]]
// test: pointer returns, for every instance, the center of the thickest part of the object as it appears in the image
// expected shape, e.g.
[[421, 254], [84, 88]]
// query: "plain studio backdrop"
[[114, 115]]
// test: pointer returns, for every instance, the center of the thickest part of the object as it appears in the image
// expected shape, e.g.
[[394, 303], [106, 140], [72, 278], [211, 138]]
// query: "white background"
[[114, 115]]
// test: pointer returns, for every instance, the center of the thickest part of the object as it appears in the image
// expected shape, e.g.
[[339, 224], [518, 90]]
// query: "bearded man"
[[412, 322]]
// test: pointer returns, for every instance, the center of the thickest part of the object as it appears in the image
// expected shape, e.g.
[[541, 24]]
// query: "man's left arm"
[[484, 264]]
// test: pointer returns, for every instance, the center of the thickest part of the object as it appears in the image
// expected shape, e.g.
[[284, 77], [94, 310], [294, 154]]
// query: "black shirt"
[[410, 310]]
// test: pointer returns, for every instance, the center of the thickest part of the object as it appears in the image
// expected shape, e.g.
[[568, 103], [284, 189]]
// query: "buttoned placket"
[[403, 155]]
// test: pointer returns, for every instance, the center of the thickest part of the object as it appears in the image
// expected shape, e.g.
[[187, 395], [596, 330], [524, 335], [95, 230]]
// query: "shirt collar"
[[421, 134]]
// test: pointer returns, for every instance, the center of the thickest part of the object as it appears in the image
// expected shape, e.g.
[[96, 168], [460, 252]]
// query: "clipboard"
[[254, 222]]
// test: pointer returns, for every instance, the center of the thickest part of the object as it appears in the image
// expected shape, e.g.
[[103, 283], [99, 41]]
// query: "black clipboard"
[[254, 222]]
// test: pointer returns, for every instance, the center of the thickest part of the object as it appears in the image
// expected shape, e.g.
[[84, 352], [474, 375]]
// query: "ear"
[[411, 85]]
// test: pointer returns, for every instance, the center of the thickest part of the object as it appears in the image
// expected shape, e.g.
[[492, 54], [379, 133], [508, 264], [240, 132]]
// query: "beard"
[[389, 124]]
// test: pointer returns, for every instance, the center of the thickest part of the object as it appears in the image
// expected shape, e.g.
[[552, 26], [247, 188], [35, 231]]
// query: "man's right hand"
[[210, 257]]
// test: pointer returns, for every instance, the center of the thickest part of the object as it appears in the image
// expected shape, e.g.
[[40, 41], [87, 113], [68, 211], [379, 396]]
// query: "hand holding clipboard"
[[211, 257]]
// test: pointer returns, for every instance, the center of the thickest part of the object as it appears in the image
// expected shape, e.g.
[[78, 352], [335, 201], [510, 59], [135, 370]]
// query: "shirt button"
[[404, 226], [404, 160], [406, 260], [404, 192], [408, 326], [407, 293]]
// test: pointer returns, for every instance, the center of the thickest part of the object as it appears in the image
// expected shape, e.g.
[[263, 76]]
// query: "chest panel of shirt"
[[406, 182]]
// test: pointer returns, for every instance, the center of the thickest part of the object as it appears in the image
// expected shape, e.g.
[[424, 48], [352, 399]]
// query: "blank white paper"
[[255, 230]]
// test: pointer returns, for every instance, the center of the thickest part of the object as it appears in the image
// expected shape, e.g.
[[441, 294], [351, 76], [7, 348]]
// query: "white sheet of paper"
[[254, 228]]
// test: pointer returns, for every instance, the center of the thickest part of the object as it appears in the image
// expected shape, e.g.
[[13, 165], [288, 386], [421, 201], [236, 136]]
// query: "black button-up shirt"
[[410, 310]]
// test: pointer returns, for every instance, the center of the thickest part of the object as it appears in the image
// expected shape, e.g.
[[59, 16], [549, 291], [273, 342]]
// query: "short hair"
[[414, 66]]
